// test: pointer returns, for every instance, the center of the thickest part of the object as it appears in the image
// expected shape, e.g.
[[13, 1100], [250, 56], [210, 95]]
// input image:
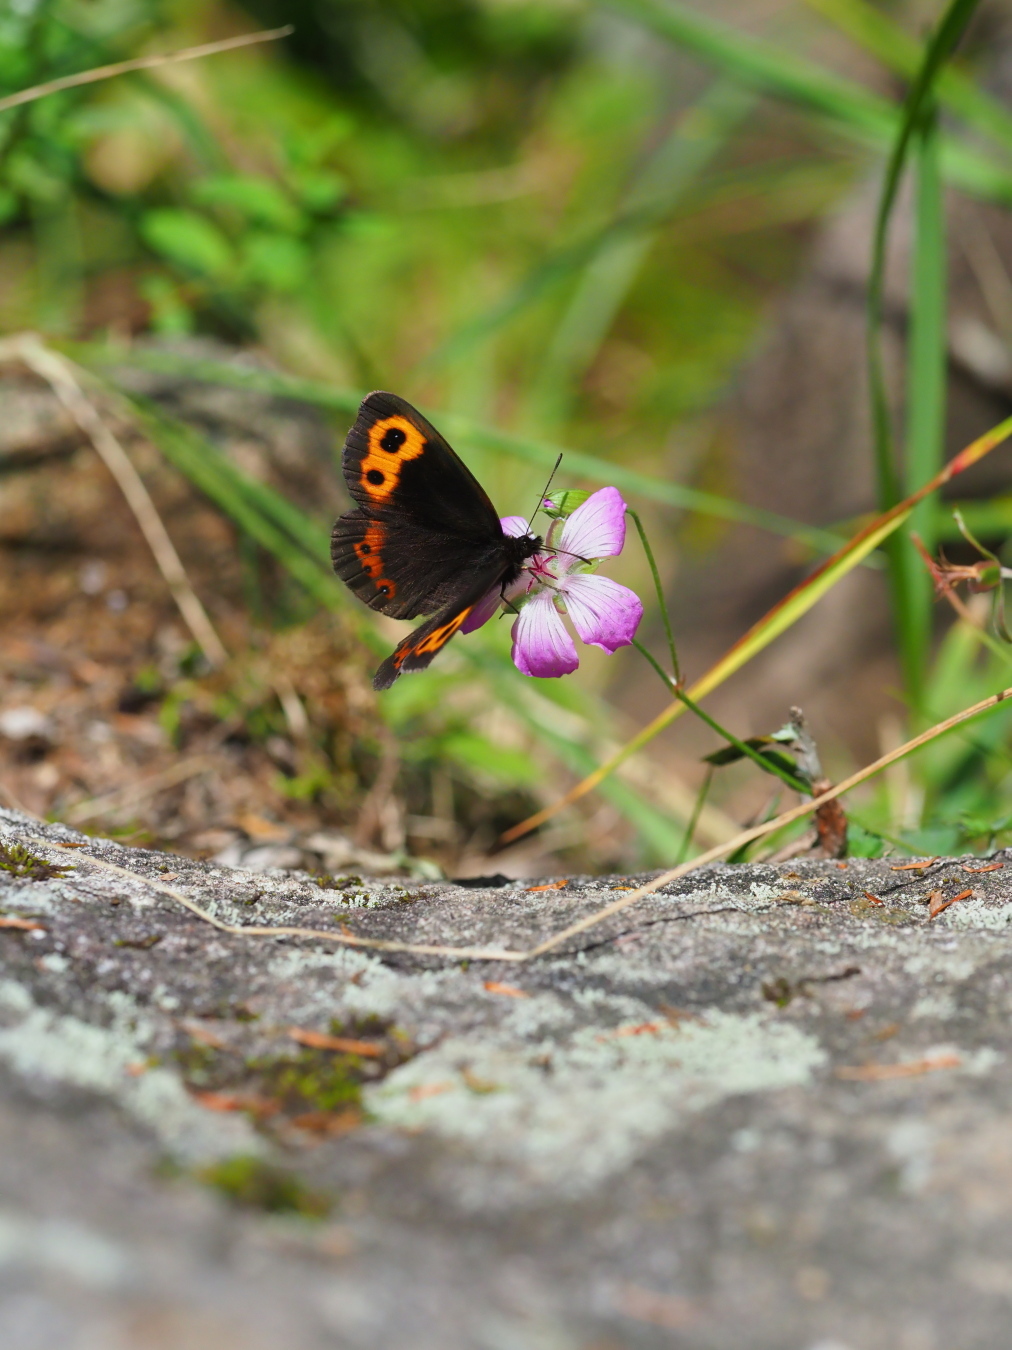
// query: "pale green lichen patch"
[[63, 1248], [977, 913], [570, 1111], [113, 1060]]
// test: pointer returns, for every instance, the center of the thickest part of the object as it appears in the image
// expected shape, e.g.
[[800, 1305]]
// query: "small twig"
[[345, 939], [140, 63], [13, 801], [59, 373], [145, 787]]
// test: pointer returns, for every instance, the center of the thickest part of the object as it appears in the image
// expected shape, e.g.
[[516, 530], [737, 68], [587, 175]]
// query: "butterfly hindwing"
[[416, 650]]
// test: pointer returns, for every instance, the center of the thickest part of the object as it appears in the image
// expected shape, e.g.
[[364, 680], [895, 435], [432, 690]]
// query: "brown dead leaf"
[[991, 867], [937, 902], [237, 1101], [22, 925], [205, 1037], [329, 1122], [873, 898], [886, 1033], [424, 1090], [497, 987], [257, 827], [880, 1073], [345, 1045], [641, 1029], [669, 1311], [550, 886], [914, 866]]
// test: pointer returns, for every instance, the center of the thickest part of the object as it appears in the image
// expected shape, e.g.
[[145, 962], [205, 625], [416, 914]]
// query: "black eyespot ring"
[[393, 440], [375, 477]]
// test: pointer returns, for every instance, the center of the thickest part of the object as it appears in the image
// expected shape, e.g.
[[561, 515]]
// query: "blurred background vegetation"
[[548, 222]]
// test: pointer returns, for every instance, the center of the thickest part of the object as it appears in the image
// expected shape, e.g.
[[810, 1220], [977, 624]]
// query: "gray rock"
[[766, 1107]]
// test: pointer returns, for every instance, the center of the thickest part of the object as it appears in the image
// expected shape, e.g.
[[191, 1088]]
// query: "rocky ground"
[[766, 1107]]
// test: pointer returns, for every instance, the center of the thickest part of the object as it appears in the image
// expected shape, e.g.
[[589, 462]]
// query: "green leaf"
[[319, 190], [257, 200], [482, 757], [190, 241], [563, 504], [275, 261]]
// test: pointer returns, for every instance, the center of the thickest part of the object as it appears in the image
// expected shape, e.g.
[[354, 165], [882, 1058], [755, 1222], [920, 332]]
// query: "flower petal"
[[604, 613], [483, 610], [514, 525], [597, 528], [541, 642]]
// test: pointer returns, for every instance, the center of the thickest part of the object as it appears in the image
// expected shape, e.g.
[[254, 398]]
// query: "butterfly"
[[423, 538]]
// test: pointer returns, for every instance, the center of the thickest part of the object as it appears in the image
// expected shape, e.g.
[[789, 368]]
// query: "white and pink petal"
[[604, 613], [541, 643], [483, 610], [515, 526], [596, 529]]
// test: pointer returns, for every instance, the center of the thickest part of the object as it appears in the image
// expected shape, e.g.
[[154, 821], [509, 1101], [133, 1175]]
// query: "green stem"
[[938, 50], [767, 765], [660, 593], [925, 408], [697, 811]]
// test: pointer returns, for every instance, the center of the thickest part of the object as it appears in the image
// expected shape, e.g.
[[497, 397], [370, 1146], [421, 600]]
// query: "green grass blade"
[[910, 601], [608, 276], [244, 501], [786, 612], [925, 411], [940, 47], [850, 109], [462, 432], [879, 34]]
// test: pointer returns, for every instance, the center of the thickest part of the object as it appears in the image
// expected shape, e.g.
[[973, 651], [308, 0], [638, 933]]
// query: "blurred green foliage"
[[553, 215]]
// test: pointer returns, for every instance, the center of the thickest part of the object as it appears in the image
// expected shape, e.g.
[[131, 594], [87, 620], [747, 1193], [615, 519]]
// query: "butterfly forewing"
[[397, 464]]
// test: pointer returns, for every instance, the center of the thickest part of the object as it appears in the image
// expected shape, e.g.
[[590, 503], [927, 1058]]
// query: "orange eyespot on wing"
[[392, 441], [419, 647]]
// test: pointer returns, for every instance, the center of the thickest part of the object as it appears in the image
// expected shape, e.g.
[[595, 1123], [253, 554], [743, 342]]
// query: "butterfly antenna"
[[544, 493]]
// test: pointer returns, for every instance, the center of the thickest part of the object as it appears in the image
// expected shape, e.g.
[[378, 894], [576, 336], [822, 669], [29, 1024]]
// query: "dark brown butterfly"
[[424, 537]]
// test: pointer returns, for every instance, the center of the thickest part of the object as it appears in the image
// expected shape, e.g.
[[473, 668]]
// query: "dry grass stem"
[[144, 787], [59, 374], [591, 920], [140, 63]]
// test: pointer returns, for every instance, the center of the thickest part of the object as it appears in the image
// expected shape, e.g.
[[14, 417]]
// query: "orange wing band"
[[432, 642], [369, 550], [391, 441]]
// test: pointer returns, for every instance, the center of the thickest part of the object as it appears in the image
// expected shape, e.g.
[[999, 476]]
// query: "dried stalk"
[[140, 63], [59, 374], [591, 920]]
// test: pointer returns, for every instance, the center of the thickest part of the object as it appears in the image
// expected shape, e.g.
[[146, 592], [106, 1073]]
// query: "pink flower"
[[558, 580]]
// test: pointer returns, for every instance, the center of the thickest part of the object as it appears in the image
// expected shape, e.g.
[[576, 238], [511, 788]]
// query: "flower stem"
[[767, 765], [697, 811], [660, 592]]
